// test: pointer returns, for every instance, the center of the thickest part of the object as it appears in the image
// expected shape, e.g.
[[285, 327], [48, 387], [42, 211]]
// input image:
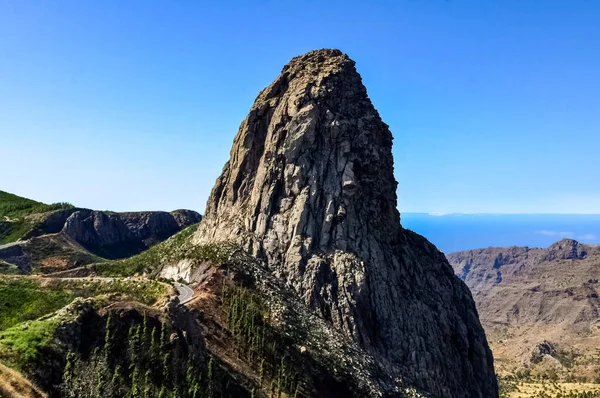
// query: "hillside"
[[540, 307], [40, 238], [18, 215]]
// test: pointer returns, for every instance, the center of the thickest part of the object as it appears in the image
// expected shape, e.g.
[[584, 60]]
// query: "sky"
[[456, 232], [133, 104]]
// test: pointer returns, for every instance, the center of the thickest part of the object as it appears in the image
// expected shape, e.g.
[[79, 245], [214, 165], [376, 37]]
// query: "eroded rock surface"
[[114, 235], [309, 189]]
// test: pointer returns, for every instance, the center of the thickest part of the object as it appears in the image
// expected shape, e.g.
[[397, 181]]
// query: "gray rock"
[[13, 253], [185, 218], [53, 223], [541, 350], [309, 189], [114, 235]]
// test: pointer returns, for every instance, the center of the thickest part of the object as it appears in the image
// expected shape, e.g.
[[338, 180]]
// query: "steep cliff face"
[[309, 189], [114, 235]]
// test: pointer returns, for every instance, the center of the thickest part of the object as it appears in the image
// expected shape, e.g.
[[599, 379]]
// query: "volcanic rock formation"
[[309, 189]]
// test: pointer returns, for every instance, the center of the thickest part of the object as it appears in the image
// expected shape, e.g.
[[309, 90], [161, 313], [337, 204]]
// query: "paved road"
[[9, 245], [185, 292]]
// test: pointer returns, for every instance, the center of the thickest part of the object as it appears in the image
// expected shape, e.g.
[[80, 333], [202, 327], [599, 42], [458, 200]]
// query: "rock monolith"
[[310, 190]]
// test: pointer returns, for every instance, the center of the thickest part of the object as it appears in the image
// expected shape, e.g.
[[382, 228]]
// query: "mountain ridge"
[[527, 297], [62, 236]]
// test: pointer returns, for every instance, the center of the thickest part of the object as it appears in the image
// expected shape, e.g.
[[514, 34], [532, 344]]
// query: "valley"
[[540, 309]]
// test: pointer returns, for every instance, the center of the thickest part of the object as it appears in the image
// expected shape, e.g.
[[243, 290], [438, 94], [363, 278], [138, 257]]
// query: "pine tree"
[[164, 334], [296, 390], [189, 377], [108, 336], [148, 384], [145, 332], [167, 370], [154, 346], [210, 377], [261, 372], [101, 373], [68, 374], [116, 381], [135, 382]]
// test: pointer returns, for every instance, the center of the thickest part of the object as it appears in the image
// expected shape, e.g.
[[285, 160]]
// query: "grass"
[[22, 343], [553, 390], [28, 309], [176, 248], [13, 215], [15, 230], [13, 206], [15, 385], [24, 299]]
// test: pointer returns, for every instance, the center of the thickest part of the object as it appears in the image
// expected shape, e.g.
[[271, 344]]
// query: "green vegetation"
[[520, 386], [142, 364], [29, 317], [176, 248], [21, 344], [257, 342], [13, 206], [14, 230], [23, 299], [13, 215], [141, 359]]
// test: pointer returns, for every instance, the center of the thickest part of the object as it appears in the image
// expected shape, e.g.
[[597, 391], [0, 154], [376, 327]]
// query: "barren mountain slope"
[[528, 295]]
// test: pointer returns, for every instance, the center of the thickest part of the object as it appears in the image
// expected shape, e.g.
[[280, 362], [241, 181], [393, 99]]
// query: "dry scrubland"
[[550, 390], [14, 385]]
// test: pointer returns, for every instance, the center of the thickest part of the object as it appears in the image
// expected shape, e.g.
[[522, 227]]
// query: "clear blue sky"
[[131, 104]]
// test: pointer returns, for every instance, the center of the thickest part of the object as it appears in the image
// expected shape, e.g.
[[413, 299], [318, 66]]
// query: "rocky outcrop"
[[309, 189], [114, 235], [541, 350], [185, 218], [482, 269], [13, 253], [566, 249], [52, 223]]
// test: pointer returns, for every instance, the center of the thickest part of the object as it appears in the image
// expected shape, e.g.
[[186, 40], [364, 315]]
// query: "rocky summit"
[[309, 190]]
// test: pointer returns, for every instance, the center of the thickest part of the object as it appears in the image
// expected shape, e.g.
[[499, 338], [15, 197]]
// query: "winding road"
[[185, 292], [6, 246]]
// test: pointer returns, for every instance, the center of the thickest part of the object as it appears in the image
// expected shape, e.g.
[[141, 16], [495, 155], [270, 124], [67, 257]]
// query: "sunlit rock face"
[[309, 189]]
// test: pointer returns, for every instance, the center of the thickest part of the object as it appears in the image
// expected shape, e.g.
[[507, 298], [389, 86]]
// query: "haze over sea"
[[455, 232]]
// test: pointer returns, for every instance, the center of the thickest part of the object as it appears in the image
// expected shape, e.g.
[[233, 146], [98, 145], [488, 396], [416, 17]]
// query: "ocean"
[[455, 232]]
